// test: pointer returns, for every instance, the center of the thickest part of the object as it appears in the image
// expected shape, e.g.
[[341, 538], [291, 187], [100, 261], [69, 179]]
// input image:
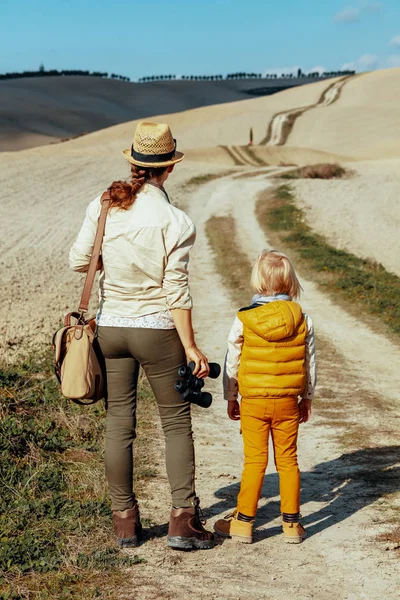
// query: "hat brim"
[[177, 157]]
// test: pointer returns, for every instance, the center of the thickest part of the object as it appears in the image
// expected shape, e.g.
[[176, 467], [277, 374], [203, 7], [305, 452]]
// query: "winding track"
[[240, 156], [282, 123]]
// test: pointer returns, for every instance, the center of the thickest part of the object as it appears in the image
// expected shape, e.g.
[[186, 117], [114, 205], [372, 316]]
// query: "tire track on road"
[[281, 125]]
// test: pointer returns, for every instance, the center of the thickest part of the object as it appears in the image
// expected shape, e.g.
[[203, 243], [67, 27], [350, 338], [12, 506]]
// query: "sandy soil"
[[360, 214], [43, 202]]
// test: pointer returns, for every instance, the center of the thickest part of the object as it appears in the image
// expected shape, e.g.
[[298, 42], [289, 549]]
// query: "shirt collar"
[[153, 190]]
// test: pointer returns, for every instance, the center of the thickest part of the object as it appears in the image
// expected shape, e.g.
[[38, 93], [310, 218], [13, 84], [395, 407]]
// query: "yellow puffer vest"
[[272, 362]]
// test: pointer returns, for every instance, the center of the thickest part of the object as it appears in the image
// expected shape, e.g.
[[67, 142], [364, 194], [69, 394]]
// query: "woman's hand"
[[304, 410], [183, 323], [202, 368], [233, 410]]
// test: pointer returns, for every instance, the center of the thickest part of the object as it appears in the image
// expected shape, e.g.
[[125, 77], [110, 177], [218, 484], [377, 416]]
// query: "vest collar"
[[260, 299]]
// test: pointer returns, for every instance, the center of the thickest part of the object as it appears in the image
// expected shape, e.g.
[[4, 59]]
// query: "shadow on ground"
[[343, 485]]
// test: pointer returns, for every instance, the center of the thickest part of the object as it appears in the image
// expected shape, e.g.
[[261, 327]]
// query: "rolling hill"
[[364, 123], [41, 110]]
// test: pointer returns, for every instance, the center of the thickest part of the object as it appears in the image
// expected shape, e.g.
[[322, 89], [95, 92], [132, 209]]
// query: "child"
[[270, 362]]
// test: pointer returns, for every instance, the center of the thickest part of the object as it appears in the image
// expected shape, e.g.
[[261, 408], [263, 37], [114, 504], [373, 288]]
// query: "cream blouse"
[[145, 255]]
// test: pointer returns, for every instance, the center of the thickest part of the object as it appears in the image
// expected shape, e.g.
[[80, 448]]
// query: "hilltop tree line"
[[244, 75], [42, 72]]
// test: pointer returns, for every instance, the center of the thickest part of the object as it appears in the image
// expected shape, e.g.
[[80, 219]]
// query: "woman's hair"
[[273, 273], [123, 194]]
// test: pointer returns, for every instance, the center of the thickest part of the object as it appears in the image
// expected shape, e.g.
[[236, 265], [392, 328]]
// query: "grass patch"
[[391, 539], [236, 161], [250, 151], [253, 174], [320, 171], [231, 263], [355, 280], [206, 178], [268, 135], [55, 517]]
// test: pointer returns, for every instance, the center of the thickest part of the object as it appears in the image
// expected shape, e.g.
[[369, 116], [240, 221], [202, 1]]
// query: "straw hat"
[[153, 146]]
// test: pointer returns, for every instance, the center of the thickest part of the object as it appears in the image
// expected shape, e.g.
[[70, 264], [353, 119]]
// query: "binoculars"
[[190, 386]]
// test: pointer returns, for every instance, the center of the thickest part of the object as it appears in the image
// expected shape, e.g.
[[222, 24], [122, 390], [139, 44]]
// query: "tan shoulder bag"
[[78, 360]]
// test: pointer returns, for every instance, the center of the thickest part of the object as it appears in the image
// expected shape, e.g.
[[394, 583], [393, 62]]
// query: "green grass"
[[369, 287], [231, 263], [206, 178], [236, 161], [250, 151], [56, 536]]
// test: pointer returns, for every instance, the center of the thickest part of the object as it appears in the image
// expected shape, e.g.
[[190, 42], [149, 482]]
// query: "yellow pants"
[[258, 418]]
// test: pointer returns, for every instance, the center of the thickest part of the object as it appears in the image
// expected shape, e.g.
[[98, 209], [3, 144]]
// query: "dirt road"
[[348, 485], [279, 135], [349, 463]]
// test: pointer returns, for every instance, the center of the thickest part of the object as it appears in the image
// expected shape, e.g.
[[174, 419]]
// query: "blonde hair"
[[273, 273]]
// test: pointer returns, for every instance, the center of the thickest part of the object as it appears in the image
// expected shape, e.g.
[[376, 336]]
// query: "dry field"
[[363, 124], [347, 451], [75, 105], [360, 214]]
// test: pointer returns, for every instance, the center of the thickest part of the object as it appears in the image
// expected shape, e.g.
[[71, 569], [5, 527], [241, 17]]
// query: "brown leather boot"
[[127, 526], [186, 531]]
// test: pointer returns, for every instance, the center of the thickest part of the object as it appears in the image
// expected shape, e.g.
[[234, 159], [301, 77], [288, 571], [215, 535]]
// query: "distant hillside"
[[364, 123], [41, 110]]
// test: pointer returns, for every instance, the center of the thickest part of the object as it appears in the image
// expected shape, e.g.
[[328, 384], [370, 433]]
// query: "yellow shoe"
[[239, 531], [293, 533]]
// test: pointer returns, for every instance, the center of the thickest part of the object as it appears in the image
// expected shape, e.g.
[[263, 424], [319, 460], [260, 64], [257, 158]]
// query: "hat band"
[[152, 158]]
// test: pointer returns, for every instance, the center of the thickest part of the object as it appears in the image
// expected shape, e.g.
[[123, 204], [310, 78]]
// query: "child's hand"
[[304, 410], [234, 410]]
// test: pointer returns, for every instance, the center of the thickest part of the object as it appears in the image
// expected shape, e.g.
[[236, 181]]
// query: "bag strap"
[[98, 240]]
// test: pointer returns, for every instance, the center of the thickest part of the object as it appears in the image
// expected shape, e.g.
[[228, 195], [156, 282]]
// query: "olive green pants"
[[160, 353]]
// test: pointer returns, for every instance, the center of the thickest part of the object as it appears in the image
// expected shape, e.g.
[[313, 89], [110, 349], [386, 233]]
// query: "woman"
[[144, 320]]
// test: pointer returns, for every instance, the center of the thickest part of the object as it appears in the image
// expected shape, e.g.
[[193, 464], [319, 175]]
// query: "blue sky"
[[153, 37]]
